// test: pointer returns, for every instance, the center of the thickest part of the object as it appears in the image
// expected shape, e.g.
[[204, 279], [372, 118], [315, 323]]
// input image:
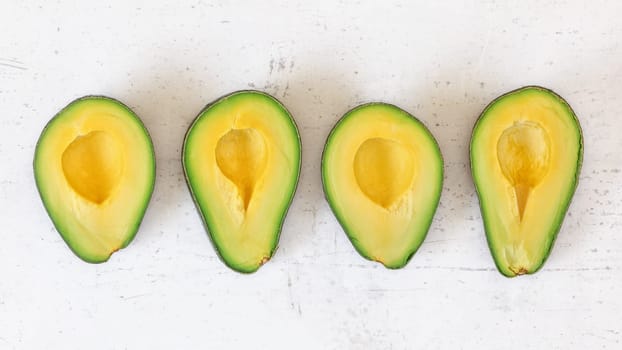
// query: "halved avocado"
[[526, 154], [95, 169], [382, 172], [241, 157]]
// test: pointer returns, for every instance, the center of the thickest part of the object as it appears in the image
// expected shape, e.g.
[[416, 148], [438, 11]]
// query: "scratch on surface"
[[314, 224], [442, 240], [479, 59], [280, 65], [578, 269], [12, 66], [12, 63], [486, 269], [601, 337], [289, 292], [451, 268], [454, 268], [313, 211], [286, 89], [484, 49], [385, 290], [134, 296]]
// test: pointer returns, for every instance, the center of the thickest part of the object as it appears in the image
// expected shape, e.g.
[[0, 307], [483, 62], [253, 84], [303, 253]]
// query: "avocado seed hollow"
[[241, 156], [384, 170], [92, 165], [523, 151]]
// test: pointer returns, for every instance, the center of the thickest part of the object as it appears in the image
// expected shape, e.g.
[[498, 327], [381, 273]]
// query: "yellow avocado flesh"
[[94, 168], [242, 161], [382, 172], [526, 153]]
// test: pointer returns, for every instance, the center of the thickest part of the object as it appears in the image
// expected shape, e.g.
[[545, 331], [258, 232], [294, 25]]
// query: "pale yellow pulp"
[[96, 171], [383, 175], [525, 157]]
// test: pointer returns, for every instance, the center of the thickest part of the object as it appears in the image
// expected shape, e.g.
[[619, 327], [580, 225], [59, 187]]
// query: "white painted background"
[[443, 61]]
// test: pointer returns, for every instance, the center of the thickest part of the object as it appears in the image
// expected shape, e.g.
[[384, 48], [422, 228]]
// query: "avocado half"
[[526, 154], [241, 158], [94, 167], [382, 172]]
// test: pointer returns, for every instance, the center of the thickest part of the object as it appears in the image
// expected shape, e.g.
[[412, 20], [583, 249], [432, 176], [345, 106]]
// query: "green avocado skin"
[[39, 178], [329, 199], [203, 213], [505, 271]]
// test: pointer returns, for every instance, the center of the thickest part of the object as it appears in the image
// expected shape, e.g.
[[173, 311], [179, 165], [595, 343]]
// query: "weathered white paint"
[[443, 61]]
